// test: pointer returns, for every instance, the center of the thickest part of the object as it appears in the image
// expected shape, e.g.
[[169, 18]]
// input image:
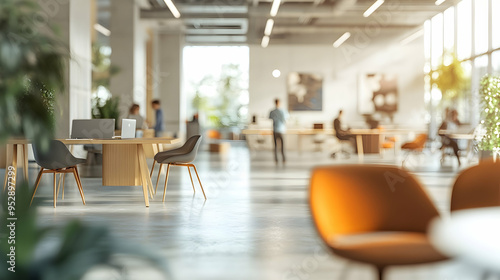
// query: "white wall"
[[341, 75]]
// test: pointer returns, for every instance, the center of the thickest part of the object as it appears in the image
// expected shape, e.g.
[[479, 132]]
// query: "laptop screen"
[[93, 129]]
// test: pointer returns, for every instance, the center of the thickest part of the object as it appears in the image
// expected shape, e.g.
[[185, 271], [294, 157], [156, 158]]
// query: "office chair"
[[182, 156], [57, 160], [414, 147], [376, 215], [342, 150]]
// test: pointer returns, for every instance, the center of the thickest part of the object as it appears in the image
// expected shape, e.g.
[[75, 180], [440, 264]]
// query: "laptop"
[[93, 129], [128, 128]]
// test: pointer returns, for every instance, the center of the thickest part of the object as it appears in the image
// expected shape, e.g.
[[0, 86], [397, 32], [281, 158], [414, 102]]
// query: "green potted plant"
[[488, 134], [32, 75], [106, 109]]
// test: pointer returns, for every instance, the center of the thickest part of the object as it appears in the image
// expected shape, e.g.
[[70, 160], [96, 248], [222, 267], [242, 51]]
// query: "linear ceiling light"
[[412, 37], [342, 39], [265, 41], [439, 2], [172, 8], [373, 7], [275, 7], [269, 27], [101, 29]]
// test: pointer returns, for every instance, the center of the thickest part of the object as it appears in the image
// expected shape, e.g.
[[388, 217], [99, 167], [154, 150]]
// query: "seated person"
[[339, 132], [343, 135], [450, 123]]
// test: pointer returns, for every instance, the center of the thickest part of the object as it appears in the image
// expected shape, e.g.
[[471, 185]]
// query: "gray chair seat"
[[56, 157], [182, 156], [185, 154]]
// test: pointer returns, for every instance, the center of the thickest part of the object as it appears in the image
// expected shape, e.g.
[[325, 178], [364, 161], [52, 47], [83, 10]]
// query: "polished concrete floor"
[[255, 223]]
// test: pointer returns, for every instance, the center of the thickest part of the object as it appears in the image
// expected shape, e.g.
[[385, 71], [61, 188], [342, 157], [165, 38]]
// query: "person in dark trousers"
[[279, 117], [340, 133], [159, 127], [450, 123]]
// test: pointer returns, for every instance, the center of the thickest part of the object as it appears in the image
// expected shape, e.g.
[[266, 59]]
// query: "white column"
[[168, 81], [72, 19], [128, 45]]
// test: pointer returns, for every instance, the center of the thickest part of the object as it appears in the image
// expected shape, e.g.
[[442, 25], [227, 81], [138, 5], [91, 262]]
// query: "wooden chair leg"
[[166, 180], [158, 179], [201, 186], [152, 169], [63, 179], [55, 189], [191, 177], [36, 183], [79, 183]]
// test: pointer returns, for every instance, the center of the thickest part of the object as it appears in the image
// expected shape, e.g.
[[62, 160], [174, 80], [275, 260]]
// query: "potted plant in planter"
[[488, 134], [32, 74]]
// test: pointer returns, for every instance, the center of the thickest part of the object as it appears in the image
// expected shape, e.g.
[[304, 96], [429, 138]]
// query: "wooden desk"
[[358, 133], [124, 160]]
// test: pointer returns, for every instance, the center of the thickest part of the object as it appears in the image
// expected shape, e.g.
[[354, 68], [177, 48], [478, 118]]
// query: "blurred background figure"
[[341, 134], [450, 124], [134, 114], [279, 117], [159, 126]]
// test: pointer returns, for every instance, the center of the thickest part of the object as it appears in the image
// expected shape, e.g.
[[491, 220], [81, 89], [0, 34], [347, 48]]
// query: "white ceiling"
[[219, 22]]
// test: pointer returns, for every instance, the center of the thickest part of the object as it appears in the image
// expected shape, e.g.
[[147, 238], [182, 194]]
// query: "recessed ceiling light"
[[265, 41], [269, 27], [275, 7], [172, 8], [412, 37], [101, 29], [276, 73], [373, 7], [341, 39]]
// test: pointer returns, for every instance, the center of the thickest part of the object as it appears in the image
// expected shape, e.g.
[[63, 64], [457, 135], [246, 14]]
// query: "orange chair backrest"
[[213, 134], [478, 186], [367, 198]]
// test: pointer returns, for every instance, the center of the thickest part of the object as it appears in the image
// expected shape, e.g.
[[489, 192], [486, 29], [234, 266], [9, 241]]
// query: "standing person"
[[279, 117], [159, 127]]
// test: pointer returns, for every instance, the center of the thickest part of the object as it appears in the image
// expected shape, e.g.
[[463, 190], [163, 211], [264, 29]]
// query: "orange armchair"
[[373, 214], [478, 186]]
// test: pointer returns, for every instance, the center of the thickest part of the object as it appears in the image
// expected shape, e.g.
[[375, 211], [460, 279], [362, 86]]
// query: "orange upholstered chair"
[[373, 214], [415, 146], [478, 186]]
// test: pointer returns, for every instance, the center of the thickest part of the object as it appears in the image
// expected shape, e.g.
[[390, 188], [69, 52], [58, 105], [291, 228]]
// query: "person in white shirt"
[[279, 117]]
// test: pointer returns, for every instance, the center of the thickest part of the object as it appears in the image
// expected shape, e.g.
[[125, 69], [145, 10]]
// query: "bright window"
[[427, 40], [437, 40], [480, 67], [495, 23], [495, 62], [481, 26], [464, 38], [449, 29]]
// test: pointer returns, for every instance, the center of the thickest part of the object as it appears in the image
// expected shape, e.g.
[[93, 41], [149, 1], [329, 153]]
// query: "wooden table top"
[[355, 131], [133, 141]]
